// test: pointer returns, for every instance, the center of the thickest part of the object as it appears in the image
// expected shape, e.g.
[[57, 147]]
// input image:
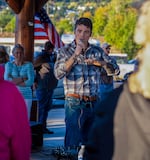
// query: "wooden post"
[[16, 5], [24, 32]]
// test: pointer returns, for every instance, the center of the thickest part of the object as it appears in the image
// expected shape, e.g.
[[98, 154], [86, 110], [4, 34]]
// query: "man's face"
[[50, 51], [107, 50], [82, 33]]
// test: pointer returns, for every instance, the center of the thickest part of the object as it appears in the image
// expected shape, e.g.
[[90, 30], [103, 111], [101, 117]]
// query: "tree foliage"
[[87, 14], [6, 16], [64, 26], [99, 21], [119, 30], [10, 27]]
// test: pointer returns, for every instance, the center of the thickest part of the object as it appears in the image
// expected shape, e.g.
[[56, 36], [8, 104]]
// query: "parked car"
[[58, 97], [125, 67], [135, 63], [59, 90]]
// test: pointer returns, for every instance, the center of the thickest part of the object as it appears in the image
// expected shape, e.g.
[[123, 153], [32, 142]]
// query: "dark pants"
[[105, 89], [100, 143], [79, 117], [45, 104]]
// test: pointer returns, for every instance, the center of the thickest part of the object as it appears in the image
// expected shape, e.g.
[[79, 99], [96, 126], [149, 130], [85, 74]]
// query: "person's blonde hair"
[[139, 82]]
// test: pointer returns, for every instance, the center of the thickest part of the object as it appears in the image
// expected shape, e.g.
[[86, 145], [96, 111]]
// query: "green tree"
[[5, 16], [119, 30], [10, 27], [64, 26], [87, 14], [72, 5], [99, 21]]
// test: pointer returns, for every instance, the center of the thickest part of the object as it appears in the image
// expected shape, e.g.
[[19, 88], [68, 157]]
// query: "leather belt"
[[84, 98]]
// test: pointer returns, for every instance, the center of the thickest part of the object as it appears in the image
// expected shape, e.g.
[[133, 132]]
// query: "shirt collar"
[[73, 44]]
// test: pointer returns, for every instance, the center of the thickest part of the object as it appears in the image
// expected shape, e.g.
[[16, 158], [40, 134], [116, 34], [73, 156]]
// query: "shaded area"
[[51, 141]]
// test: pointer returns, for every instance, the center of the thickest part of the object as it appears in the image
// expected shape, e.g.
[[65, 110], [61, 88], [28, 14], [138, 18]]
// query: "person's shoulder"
[[62, 51], [112, 58], [9, 64], [94, 47], [67, 46], [28, 64]]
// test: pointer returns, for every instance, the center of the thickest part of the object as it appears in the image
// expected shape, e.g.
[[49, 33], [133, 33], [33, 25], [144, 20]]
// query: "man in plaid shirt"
[[79, 64]]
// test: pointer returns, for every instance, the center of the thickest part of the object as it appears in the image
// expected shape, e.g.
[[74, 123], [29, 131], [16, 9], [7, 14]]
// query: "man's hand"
[[19, 80], [80, 48], [95, 62], [45, 68], [89, 61]]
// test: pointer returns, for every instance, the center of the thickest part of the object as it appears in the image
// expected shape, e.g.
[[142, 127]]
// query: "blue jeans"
[[44, 104], [79, 116]]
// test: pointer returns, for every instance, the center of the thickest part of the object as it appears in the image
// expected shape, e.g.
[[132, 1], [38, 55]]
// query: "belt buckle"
[[86, 98]]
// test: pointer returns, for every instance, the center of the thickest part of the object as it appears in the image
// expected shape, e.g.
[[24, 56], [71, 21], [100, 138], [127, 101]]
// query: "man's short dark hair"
[[85, 21], [48, 45]]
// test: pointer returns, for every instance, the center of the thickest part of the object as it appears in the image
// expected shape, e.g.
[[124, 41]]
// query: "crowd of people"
[[102, 123]]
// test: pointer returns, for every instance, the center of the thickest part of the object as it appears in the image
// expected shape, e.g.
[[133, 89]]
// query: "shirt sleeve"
[[7, 73], [111, 64], [30, 74], [59, 67]]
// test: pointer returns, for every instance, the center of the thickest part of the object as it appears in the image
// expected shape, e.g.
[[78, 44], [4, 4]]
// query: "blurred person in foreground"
[[44, 83], [79, 64], [21, 73], [132, 116], [15, 134], [107, 82], [121, 130]]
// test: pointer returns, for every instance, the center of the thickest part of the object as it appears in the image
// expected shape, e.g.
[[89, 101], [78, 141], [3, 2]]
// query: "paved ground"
[[56, 124]]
